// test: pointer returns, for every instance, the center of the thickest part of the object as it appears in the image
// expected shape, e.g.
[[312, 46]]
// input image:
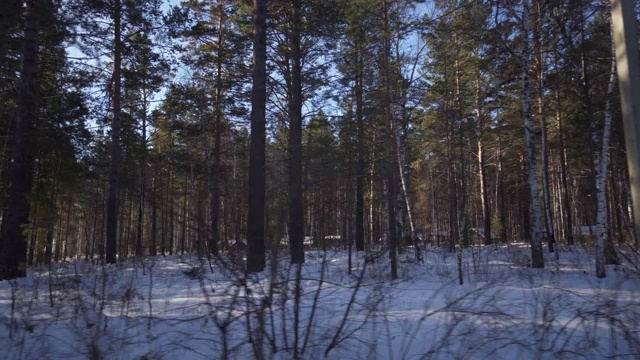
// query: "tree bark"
[[404, 181], [14, 245], [360, 170], [143, 166], [154, 219], [563, 166], [112, 193], [216, 170], [183, 233], [601, 162], [463, 219], [255, 219], [537, 260], [500, 203], [296, 208], [541, 114], [484, 191], [389, 142]]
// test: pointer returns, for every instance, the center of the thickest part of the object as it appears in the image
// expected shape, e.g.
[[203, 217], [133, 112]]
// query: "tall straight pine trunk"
[[389, 142], [568, 229], [296, 208], [113, 180], [142, 186], [216, 171], [541, 114], [360, 170], [14, 245], [255, 218]]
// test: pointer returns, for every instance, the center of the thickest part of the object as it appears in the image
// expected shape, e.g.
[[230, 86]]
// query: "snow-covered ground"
[[186, 308]]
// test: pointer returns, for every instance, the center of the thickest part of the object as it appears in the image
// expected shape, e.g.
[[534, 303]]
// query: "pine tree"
[[296, 208], [255, 220], [14, 245]]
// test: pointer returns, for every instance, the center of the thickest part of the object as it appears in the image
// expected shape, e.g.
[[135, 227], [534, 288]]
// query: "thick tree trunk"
[[255, 219], [14, 246], [537, 260], [296, 208], [112, 194]]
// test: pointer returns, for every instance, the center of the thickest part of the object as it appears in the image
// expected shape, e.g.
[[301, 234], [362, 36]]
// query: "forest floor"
[[187, 308]]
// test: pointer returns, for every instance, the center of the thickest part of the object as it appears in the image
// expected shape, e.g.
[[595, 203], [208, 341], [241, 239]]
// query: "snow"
[[187, 308]]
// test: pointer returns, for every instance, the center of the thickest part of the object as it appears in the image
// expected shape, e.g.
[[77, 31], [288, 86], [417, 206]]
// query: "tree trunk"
[[463, 219], [537, 260], [541, 114], [360, 170], [143, 166], [255, 220], [404, 181], [389, 141], [500, 184], [14, 245], [153, 249], [563, 166], [484, 191], [372, 233], [170, 195], [453, 195], [216, 170], [601, 160], [585, 96], [49, 250], [296, 208], [112, 194], [183, 235]]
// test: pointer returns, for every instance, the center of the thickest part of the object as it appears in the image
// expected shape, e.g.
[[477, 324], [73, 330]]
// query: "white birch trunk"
[[537, 260], [484, 191], [601, 162], [401, 146]]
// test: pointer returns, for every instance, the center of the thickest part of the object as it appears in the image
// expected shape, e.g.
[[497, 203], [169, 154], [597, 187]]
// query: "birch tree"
[[537, 260], [600, 162]]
